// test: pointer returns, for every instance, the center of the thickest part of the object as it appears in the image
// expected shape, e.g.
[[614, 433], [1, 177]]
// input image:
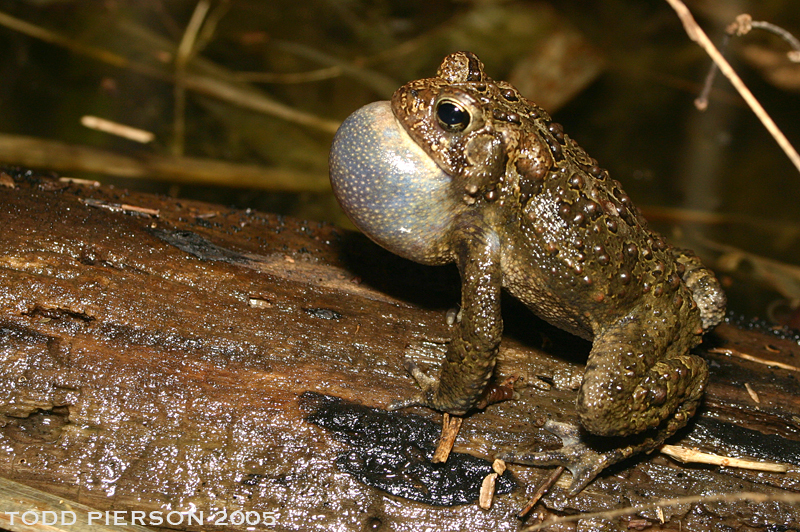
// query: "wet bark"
[[161, 355]]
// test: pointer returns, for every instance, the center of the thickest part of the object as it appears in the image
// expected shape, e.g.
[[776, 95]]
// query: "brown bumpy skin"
[[529, 210]]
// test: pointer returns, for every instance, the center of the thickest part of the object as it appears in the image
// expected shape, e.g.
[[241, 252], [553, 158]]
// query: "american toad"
[[462, 168]]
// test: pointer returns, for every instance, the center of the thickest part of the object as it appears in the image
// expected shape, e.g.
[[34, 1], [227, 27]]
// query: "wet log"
[[166, 357]]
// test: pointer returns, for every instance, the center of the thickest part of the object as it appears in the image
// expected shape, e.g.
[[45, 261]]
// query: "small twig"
[[742, 26], [320, 74], [752, 393], [115, 128], [789, 498], [241, 96], [751, 358], [543, 488], [701, 102], [182, 57], [686, 455], [450, 427], [78, 181], [62, 157], [697, 34], [744, 23], [120, 207]]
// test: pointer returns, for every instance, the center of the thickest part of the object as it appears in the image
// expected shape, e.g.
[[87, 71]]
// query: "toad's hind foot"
[[583, 461], [427, 384]]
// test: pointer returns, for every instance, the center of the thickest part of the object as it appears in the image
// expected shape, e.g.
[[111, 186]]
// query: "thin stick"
[[697, 34], [688, 456], [182, 57], [744, 23], [290, 77], [543, 488], [115, 128], [241, 96], [54, 38], [789, 498], [62, 157], [450, 427], [751, 358]]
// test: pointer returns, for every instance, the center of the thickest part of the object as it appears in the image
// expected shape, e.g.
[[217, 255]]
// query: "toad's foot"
[[427, 395], [428, 386], [583, 461]]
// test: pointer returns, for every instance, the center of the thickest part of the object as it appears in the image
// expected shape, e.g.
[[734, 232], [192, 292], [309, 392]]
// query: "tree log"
[[163, 356]]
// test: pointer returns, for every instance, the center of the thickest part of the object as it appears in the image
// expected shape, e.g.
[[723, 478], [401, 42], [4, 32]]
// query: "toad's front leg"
[[472, 353]]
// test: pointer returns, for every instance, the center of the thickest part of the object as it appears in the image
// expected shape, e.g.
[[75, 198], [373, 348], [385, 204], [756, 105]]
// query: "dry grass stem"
[[752, 393], [290, 77], [242, 96], [247, 98], [182, 57], [543, 488], [697, 34], [782, 277], [751, 358], [52, 37], [755, 497], [679, 215], [120, 130], [744, 23], [78, 181], [380, 83], [58, 156], [687, 456]]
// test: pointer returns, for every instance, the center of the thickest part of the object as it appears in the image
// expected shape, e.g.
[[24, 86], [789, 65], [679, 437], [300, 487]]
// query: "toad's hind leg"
[[640, 372], [640, 380]]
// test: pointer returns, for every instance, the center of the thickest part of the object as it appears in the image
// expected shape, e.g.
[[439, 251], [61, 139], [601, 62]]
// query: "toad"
[[461, 168]]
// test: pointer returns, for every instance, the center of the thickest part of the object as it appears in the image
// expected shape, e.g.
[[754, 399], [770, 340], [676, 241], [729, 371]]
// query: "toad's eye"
[[452, 116]]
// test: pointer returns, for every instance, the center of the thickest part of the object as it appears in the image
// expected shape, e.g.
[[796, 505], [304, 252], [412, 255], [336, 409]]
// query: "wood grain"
[[154, 359]]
